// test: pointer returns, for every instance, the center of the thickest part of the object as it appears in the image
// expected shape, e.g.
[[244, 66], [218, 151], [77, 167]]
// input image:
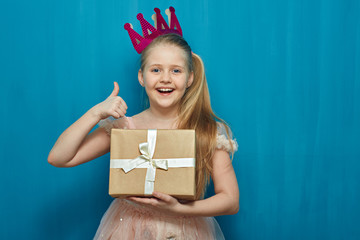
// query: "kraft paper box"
[[132, 171]]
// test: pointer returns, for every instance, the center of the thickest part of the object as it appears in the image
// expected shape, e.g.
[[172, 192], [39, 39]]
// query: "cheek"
[[186, 81], [149, 81]]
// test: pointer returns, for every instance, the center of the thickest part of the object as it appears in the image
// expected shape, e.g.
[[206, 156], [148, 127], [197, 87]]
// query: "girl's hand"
[[113, 106], [161, 201]]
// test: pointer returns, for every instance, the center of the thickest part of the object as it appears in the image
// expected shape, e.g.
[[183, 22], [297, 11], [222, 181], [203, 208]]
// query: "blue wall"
[[284, 74]]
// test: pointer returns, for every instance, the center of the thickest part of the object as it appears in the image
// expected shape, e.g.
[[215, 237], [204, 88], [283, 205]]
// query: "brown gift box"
[[178, 182]]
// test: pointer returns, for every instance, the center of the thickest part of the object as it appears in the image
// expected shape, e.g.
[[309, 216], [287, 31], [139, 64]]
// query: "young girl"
[[174, 81]]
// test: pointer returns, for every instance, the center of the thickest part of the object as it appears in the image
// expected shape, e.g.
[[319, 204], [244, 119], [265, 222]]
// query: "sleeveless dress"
[[127, 220]]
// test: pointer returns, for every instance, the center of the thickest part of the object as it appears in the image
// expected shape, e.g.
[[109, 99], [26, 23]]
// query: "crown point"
[[172, 9], [140, 16], [157, 10], [127, 26]]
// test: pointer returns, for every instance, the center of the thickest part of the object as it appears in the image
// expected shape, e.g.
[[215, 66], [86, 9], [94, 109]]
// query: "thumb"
[[115, 92]]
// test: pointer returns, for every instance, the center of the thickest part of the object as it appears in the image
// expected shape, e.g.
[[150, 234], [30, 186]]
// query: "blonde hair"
[[195, 110]]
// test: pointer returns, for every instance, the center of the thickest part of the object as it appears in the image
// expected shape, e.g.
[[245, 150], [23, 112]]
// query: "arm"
[[75, 145], [226, 198], [224, 202]]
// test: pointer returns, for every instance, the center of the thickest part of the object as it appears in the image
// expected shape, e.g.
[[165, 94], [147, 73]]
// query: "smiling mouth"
[[165, 90]]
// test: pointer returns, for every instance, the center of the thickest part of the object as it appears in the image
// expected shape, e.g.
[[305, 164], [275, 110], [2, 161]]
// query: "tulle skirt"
[[127, 220]]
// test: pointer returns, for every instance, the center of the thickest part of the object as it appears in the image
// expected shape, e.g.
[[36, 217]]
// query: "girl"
[[175, 83]]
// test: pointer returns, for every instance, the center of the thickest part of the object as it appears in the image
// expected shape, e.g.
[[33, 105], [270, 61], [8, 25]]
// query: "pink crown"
[[150, 32]]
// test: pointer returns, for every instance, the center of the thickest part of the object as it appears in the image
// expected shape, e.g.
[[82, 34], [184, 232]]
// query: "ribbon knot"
[[147, 155]]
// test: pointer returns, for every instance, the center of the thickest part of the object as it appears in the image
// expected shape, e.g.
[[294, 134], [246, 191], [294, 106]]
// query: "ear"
[[190, 80], [141, 78]]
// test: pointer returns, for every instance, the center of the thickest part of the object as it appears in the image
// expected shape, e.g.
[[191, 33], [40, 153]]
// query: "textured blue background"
[[284, 74]]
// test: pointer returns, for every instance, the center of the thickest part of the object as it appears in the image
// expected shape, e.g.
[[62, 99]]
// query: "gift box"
[[143, 161]]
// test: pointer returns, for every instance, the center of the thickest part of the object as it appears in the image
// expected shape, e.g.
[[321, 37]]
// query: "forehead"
[[166, 55]]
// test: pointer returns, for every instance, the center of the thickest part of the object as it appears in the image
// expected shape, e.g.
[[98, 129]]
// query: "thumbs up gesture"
[[112, 106]]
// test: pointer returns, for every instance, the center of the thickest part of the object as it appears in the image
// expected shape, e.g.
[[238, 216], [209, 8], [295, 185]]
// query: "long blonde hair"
[[195, 110]]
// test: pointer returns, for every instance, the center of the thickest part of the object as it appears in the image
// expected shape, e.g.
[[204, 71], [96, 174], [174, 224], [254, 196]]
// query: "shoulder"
[[224, 138]]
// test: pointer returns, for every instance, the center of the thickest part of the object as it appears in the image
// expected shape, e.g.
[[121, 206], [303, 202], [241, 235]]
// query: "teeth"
[[165, 89]]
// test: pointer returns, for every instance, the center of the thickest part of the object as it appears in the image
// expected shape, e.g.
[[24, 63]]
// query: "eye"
[[177, 71], [155, 70]]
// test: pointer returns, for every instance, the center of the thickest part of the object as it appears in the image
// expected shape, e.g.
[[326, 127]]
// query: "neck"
[[165, 116]]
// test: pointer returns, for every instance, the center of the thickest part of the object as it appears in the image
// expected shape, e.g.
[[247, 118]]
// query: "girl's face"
[[165, 76]]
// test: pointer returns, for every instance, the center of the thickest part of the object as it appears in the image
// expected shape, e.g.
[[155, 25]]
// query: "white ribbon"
[[145, 160]]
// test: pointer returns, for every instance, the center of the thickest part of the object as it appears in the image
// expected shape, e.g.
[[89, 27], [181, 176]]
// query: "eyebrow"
[[173, 65]]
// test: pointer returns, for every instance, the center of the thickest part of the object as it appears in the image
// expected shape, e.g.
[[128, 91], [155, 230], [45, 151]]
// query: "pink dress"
[[127, 220]]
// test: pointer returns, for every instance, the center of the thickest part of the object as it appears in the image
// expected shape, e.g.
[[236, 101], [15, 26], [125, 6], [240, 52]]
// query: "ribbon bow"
[[146, 156]]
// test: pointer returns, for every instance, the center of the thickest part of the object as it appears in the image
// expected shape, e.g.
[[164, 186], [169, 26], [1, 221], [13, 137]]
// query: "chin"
[[164, 105]]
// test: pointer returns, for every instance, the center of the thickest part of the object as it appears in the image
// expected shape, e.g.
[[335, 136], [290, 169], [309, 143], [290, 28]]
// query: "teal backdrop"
[[284, 74]]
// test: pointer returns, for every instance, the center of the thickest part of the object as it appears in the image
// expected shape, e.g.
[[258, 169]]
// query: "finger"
[[115, 114], [124, 103], [162, 196], [120, 102], [115, 92], [136, 200], [122, 114], [147, 201], [118, 111], [122, 109]]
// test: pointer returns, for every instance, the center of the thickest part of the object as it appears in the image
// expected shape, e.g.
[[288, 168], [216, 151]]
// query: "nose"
[[166, 77]]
